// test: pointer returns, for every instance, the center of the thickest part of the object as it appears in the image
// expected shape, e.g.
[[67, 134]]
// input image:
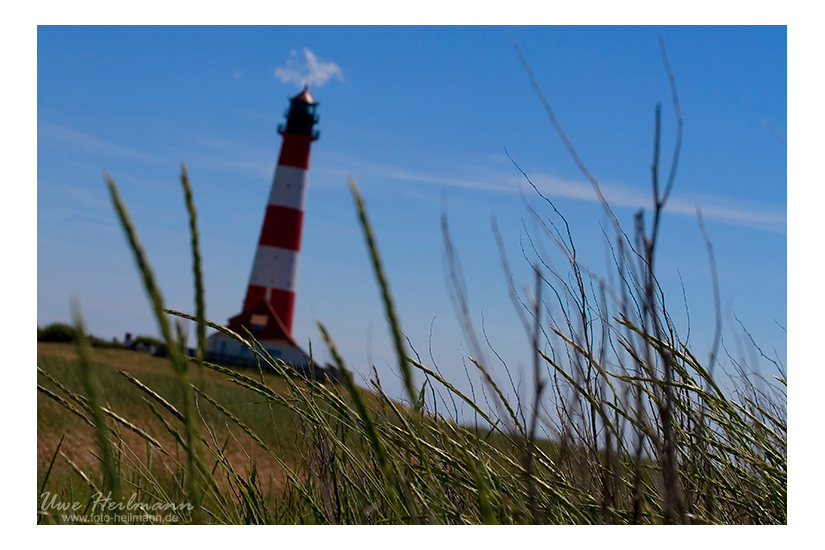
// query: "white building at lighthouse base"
[[263, 324]]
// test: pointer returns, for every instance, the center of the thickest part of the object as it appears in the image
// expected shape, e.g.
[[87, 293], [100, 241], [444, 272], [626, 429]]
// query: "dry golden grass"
[[122, 397]]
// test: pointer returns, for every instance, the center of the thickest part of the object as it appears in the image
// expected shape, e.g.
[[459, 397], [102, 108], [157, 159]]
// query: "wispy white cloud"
[[731, 211], [738, 212], [90, 143], [312, 72], [442, 180], [230, 156], [87, 199]]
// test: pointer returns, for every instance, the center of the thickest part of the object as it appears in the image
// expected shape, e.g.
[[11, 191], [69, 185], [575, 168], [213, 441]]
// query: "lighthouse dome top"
[[305, 97]]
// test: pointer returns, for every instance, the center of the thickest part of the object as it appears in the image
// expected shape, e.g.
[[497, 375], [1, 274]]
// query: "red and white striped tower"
[[275, 269]]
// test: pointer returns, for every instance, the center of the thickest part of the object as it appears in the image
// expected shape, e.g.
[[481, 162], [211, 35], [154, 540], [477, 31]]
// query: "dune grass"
[[329, 454]]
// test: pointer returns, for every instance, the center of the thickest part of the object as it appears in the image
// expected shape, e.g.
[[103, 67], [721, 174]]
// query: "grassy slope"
[[278, 429]]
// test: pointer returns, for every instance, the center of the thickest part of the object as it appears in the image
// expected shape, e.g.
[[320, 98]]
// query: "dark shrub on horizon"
[[57, 332]]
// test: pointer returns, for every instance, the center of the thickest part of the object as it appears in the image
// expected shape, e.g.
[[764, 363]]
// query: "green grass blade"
[[389, 306]]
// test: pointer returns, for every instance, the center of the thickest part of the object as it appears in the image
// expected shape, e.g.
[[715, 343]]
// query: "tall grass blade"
[[91, 383], [389, 306], [200, 307], [175, 352]]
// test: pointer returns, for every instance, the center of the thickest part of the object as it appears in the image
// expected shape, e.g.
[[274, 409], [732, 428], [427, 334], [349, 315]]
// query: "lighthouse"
[[274, 274], [269, 302]]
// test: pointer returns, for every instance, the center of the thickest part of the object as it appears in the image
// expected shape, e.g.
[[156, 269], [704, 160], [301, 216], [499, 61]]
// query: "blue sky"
[[421, 118]]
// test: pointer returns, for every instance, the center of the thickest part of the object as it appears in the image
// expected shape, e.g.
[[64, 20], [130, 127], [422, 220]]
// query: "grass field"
[[274, 423], [641, 431], [645, 436]]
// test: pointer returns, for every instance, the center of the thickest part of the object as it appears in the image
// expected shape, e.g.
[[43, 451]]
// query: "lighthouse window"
[[258, 321]]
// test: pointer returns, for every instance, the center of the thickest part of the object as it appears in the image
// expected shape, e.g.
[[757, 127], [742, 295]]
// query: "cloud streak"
[[231, 156], [89, 143], [730, 211], [87, 199], [312, 72]]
